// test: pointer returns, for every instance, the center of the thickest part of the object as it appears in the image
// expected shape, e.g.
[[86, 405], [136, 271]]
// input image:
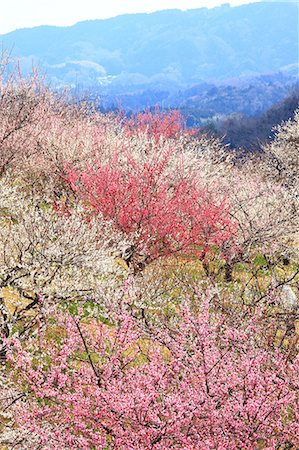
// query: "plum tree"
[[195, 384]]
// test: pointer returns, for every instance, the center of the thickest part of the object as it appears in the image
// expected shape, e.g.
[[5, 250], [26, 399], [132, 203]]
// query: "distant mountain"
[[251, 96], [169, 49]]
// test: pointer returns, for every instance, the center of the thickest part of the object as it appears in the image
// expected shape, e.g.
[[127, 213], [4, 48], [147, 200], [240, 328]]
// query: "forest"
[[149, 279]]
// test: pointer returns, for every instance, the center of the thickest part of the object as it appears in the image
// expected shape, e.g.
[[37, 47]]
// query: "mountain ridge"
[[166, 47]]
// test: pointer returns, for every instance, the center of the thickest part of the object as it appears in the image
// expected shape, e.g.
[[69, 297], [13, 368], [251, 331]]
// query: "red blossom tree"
[[160, 209], [198, 384], [157, 124]]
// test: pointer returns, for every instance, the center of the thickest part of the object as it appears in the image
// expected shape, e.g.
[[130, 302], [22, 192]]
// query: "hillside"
[[251, 133], [149, 282]]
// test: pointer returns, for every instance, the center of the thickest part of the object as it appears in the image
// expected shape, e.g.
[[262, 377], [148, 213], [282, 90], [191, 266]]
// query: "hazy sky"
[[29, 13]]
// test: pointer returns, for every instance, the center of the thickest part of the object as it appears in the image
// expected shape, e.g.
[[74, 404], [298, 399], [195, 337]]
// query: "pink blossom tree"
[[194, 384]]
